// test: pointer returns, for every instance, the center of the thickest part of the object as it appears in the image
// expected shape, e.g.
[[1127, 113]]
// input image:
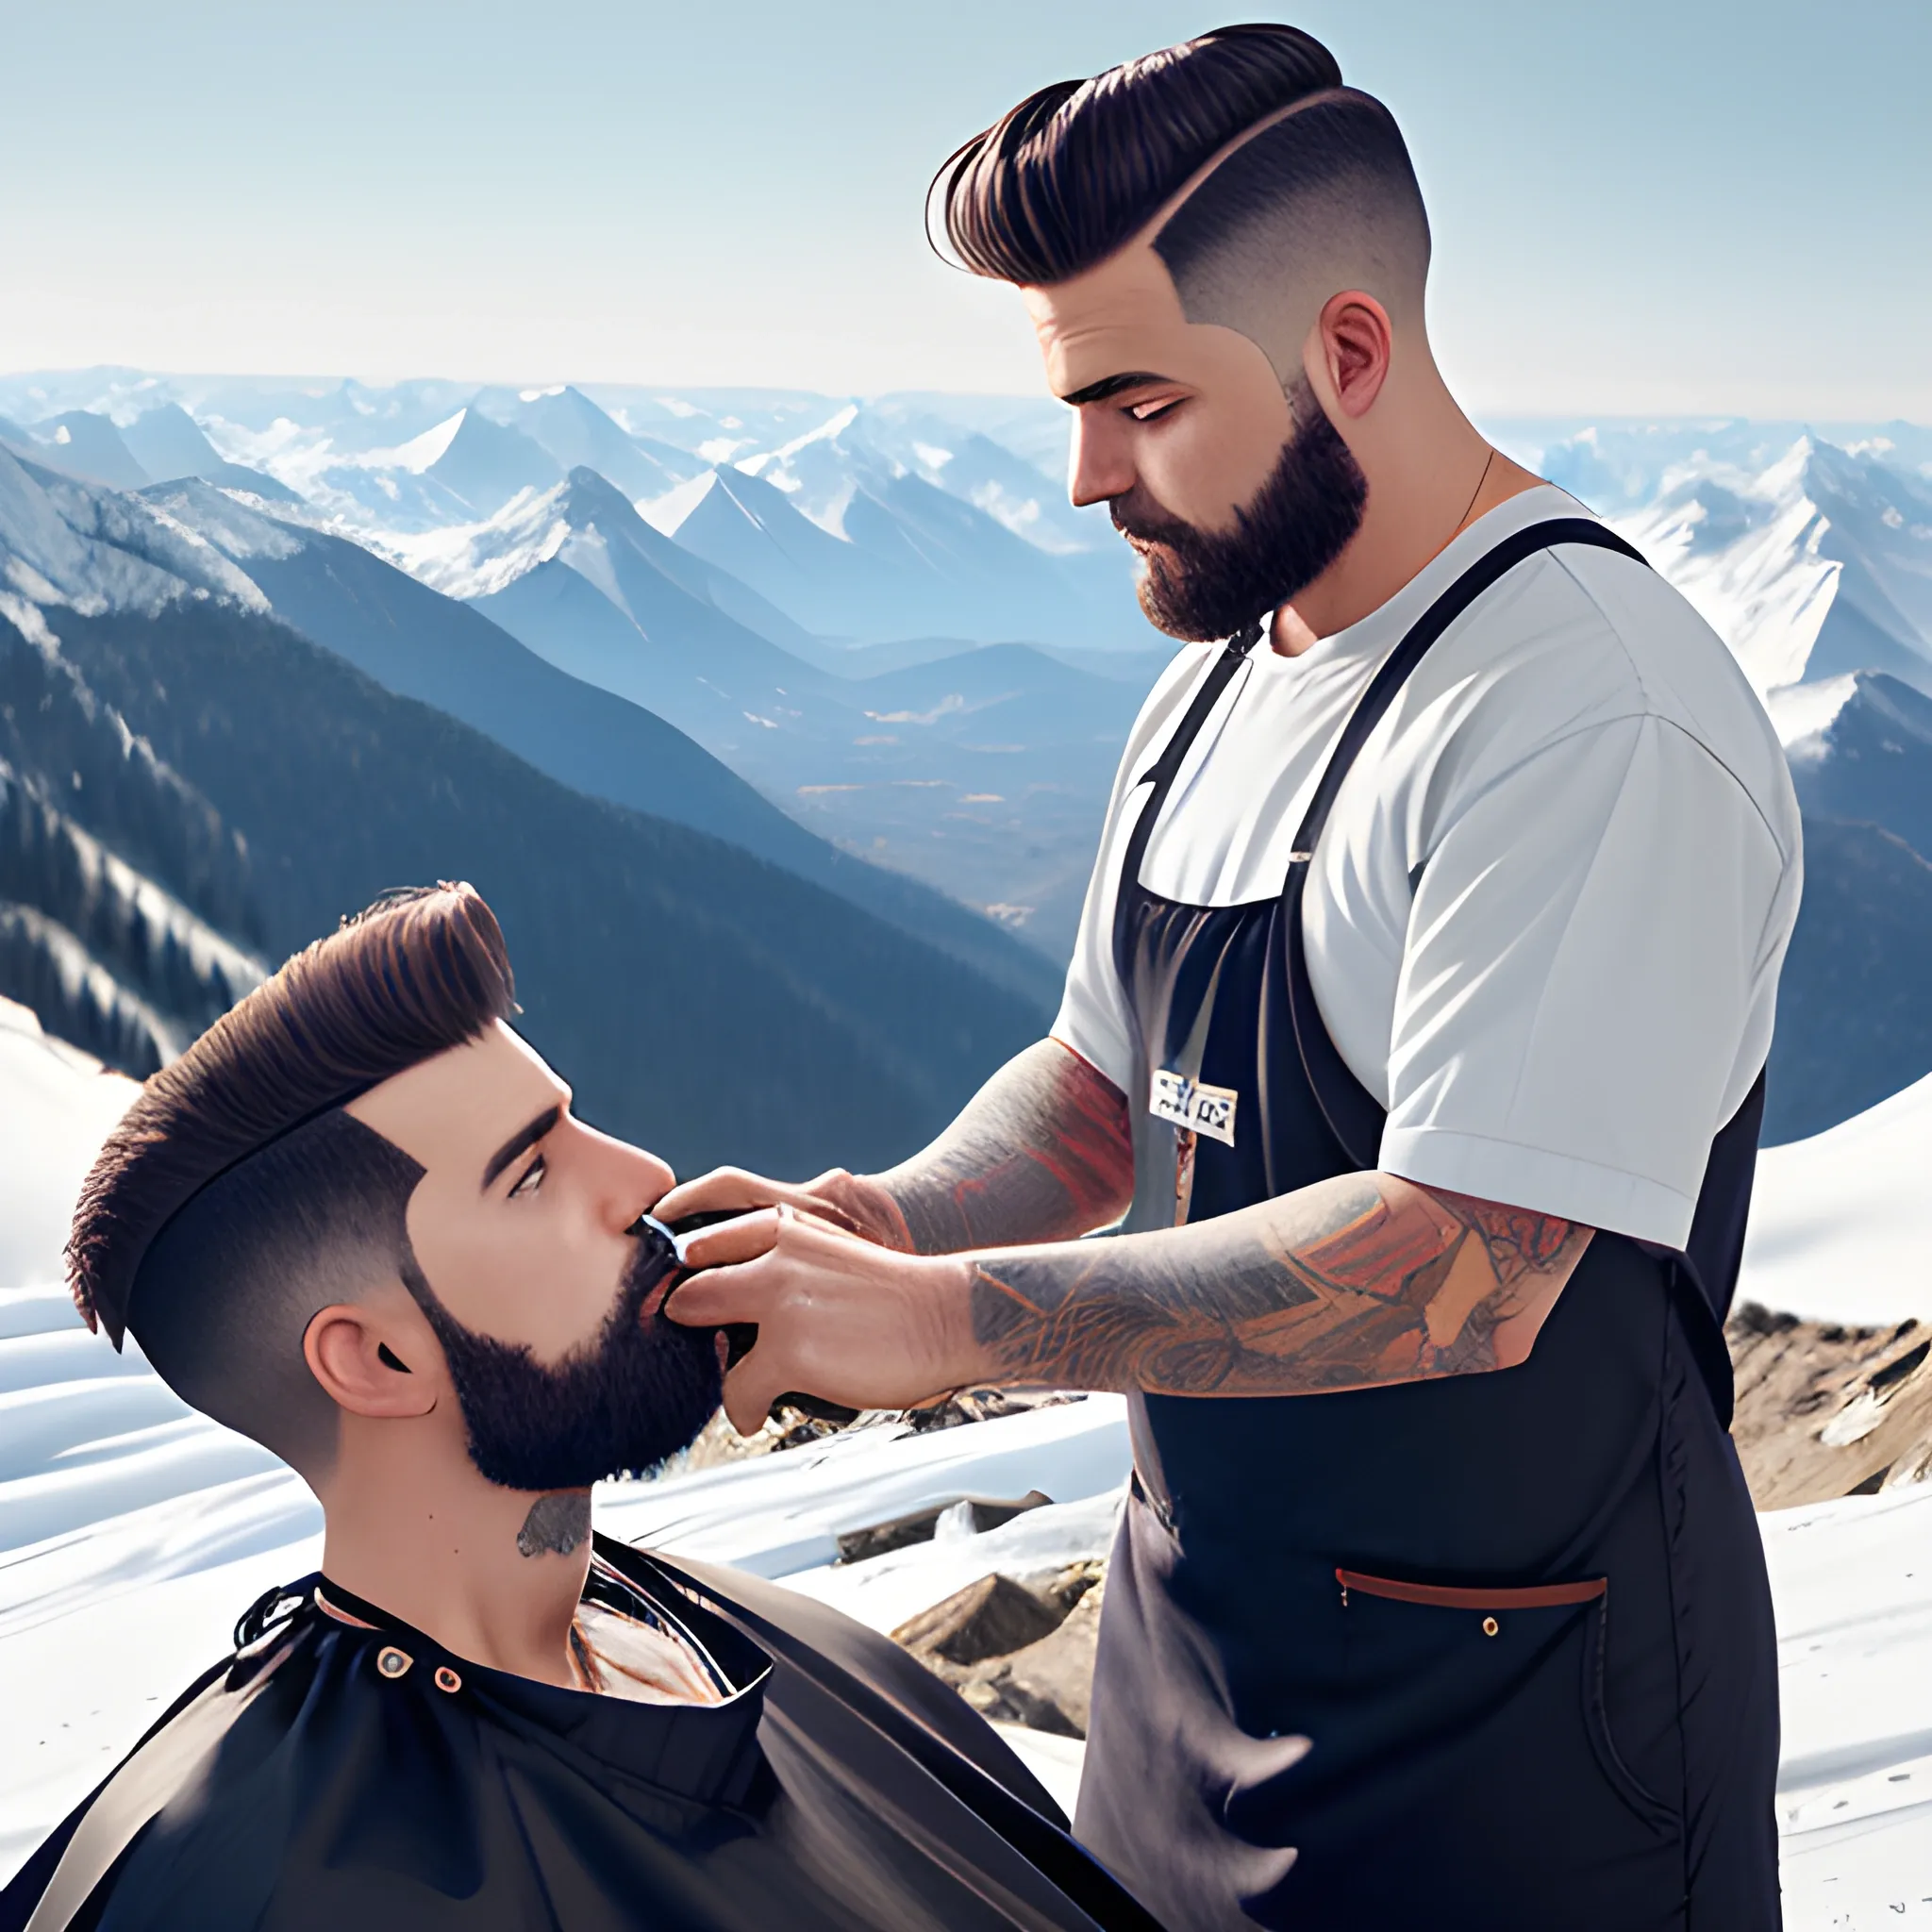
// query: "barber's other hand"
[[850, 1201], [838, 1317]]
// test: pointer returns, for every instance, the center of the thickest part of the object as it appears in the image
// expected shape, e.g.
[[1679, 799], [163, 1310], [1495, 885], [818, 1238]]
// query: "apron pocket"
[[1474, 1619]]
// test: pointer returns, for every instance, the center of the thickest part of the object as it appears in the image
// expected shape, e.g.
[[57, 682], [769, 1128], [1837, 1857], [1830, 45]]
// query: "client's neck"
[[493, 1574]]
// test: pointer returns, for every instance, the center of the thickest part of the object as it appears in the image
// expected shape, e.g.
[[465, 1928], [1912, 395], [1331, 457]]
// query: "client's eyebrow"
[[523, 1137], [1112, 386]]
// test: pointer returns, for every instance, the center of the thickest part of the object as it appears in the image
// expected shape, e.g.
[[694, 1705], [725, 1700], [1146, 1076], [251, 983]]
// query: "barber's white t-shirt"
[[1545, 921]]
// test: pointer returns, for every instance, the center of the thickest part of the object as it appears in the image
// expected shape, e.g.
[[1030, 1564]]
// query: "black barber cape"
[[310, 1781]]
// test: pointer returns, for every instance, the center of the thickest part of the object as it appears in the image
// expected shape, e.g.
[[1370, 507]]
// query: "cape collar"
[[707, 1753]]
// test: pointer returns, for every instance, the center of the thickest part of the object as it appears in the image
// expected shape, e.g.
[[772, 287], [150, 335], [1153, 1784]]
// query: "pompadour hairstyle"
[[1074, 171], [417, 973]]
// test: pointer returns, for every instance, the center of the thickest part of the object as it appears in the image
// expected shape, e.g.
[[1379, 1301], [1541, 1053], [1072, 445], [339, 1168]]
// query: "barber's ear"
[[361, 1357], [1350, 348]]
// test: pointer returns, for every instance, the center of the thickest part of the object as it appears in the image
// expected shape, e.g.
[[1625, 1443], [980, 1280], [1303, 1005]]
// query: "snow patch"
[[1745, 550], [1804, 712], [418, 453], [666, 514], [478, 559], [1841, 1224]]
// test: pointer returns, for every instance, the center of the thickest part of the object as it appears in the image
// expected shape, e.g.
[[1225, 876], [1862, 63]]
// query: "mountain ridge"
[[706, 1003]]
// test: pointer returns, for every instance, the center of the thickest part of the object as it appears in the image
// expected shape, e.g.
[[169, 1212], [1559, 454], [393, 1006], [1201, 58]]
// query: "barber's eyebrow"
[[524, 1136], [1112, 386]]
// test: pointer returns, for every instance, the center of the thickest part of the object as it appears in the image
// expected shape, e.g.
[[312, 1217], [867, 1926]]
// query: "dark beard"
[[1200, 586], [620, 1405]]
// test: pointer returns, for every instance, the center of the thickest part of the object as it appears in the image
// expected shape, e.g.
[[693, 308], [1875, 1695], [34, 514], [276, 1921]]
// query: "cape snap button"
[[1491, 1627], [392, 1662], [446, 1679]]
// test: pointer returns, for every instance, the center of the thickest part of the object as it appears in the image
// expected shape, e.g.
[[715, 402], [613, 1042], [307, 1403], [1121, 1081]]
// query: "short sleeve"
[[1587, 988]]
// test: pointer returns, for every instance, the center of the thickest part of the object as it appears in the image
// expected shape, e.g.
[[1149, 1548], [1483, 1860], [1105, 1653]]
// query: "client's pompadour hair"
[[236, 1198]]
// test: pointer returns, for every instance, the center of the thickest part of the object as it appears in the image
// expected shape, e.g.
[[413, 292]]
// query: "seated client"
[[358, 1222]]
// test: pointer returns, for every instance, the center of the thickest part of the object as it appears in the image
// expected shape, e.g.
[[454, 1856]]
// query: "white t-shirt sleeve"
[[1587, 981]]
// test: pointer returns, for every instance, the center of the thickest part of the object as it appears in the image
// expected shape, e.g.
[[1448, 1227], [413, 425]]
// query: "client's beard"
[[1200, 586], [620, 1404]]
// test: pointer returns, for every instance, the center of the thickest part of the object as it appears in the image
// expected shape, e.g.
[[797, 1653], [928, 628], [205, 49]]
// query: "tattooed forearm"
[[1042, 1152], [1359, 1281]]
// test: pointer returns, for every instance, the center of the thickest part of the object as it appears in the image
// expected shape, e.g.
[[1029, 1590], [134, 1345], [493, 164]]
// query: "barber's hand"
[[838, 1317], [850, 1201]]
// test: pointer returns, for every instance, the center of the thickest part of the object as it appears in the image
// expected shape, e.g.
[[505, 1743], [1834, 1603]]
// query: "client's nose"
[[631, 1180]]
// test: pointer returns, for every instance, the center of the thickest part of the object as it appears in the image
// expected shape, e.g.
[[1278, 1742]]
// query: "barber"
[[1416, 1027]]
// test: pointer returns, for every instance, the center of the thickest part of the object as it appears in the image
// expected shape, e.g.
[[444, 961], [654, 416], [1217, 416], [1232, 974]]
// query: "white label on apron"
[[1193, 1104]]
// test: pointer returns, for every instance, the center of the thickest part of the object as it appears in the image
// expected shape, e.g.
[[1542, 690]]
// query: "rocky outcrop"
[[1826, 1410], [1018, 1655]]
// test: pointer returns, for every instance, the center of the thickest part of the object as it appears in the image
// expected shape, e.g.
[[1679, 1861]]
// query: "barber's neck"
[[1430, 474], [493, 1574]]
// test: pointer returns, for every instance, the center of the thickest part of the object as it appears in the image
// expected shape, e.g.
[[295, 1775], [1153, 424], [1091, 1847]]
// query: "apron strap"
[[1355, 1115], [1402, 660], [1160, 777]]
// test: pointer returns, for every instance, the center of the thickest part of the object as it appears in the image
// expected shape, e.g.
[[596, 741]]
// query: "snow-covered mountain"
[[930, 531], [169, 445], [576, 434], [66, 547], [90, 446], [486, 463], [129, 918], [62, 542], [866, 445], [908, 518], [985, 775], [1817, 565], [1860, 748], [1808, 551]]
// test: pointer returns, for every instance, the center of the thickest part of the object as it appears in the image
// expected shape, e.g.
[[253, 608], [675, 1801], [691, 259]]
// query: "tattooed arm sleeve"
[[1042, 1152], [1357, 1281]]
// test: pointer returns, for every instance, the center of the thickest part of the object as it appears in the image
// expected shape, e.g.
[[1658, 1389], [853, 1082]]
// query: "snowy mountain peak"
[[87, 445], [1810, 564], [1804, 712], [97, 550], [828, 431], [423, 452], [475, 559], [574, 432], [670, 513]]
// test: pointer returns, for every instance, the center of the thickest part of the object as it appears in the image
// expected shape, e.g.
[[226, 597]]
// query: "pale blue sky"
[[1711, 205]]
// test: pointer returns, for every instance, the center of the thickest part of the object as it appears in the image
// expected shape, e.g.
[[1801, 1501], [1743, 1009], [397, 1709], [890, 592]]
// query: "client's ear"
[[362, 1355]]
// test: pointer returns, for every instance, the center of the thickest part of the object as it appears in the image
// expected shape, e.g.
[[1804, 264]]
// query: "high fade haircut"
[[236, 1198], [1324, 198]]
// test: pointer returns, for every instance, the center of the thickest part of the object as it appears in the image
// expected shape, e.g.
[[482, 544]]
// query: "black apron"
[[1521, 1616]]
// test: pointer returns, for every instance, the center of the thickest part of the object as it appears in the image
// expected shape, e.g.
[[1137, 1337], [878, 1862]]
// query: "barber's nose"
[[1099, 465]]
